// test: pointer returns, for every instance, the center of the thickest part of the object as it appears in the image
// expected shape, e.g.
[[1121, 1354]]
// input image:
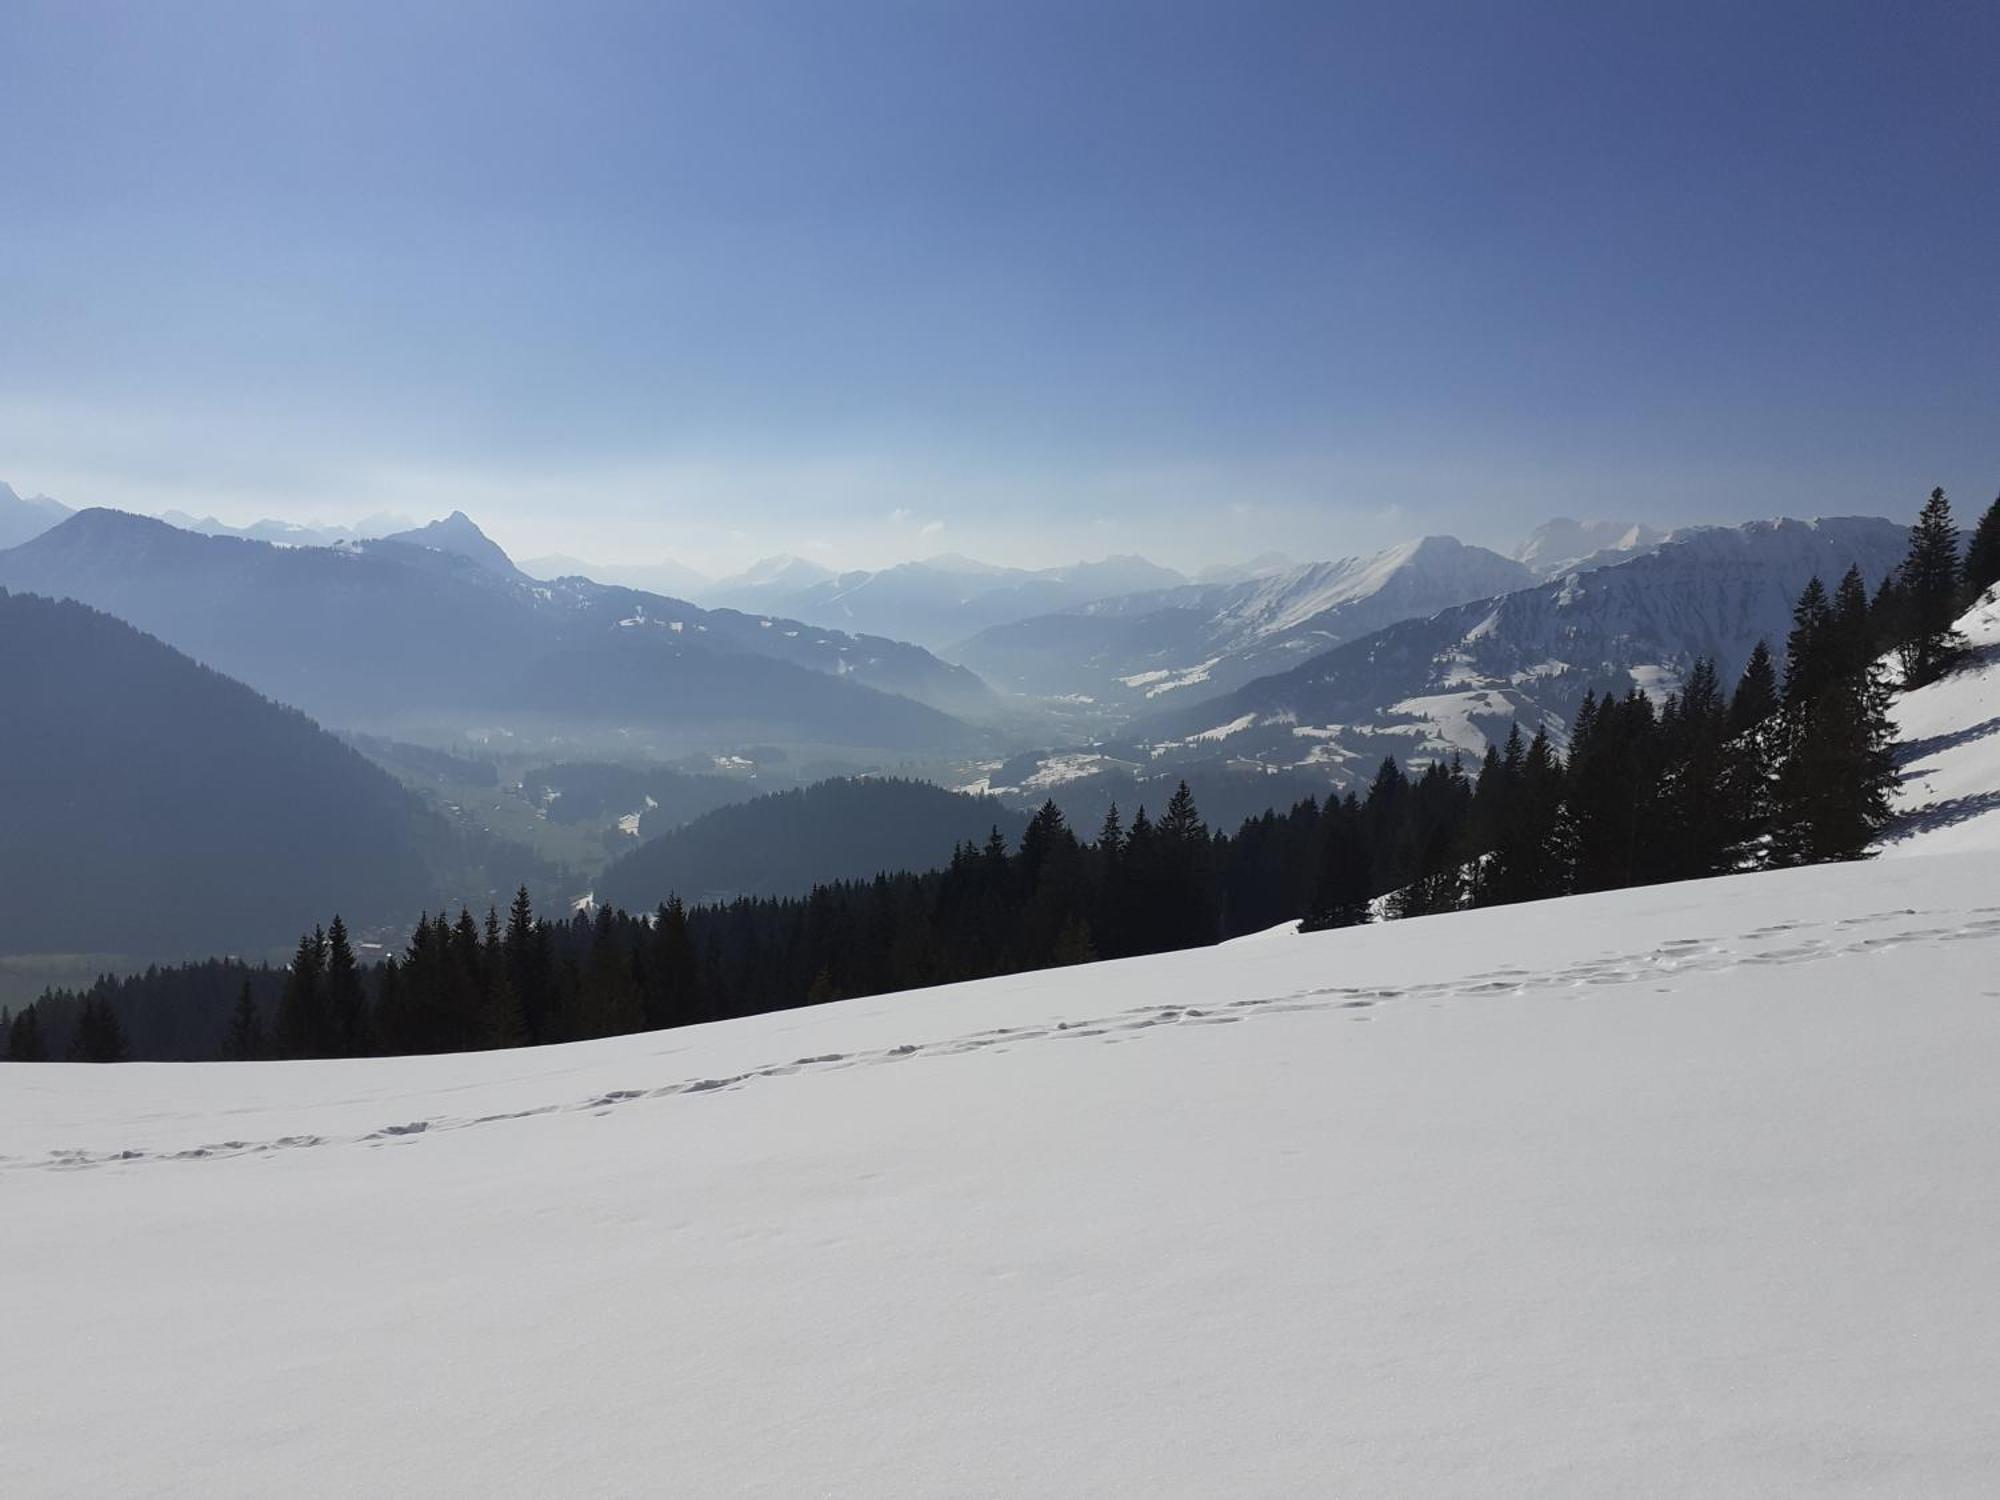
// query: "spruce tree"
[[1343, 886], [245, 1042], [1831, 794], [1699, 834], [1982, 554], [1930, 584], [25, 1042], [1756, 695], [99, 1038], [346, 1001], [1808, 666], [302, 1013], [503, 1023], [1850, 643]]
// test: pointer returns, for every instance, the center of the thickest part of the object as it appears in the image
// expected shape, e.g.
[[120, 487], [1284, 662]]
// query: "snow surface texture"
[[1949, 797], [1676, 1191]]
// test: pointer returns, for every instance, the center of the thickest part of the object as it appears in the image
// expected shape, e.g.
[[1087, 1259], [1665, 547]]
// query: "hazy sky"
[[1029, 281]]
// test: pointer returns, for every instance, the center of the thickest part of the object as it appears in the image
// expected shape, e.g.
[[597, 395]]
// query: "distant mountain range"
[[291, 533], [22, 519], [937, 602], [164, 808], [1458, 679], [435, 630], [1134, 652], [1565, 546]]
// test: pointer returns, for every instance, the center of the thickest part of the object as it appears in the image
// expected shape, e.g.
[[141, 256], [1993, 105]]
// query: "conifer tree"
[[500, 1007], [1930, 584], [1699, 833], [1982, 554], [1807, 662], [25, 1042], [1831, 794], [673, 989], [346, 1001], [302, 1010], [1756, 695], [99, 1038], [1850, 642], [245, 1042], [1341, 894]]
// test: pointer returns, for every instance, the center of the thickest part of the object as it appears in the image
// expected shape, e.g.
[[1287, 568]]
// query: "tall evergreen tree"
[[1808, 663], [346, 1001], [503, 1021], [1850, 642], [1345, 882], [99, 1037], [245, 1042], [303, 1027], [1831, 794], [1700, 833], [25, 1042], [1930, 584], [1756, 695], [1982, 554]]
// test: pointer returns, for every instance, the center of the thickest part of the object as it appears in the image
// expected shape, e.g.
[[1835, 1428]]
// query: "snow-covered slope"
[[1193, 643], [1668, 1192], [1564, 545], [1454, 681], [1949, 796]]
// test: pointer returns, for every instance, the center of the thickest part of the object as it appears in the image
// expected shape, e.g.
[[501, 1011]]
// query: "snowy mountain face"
[[1663, 1192], [1564, 546], [1264, 565], [1460, 679], [24, 518], [1140, 652], [943, 600], [351, 635]]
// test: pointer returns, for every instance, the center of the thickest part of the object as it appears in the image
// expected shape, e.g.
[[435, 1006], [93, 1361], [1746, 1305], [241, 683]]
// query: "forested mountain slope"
[[785, 843], [152, 805]]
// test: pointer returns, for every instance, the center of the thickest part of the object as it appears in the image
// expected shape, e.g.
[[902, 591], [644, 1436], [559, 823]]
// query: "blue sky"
[[1029, 281]]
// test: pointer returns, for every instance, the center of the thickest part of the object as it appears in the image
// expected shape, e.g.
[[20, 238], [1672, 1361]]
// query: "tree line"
[[1793, 765]]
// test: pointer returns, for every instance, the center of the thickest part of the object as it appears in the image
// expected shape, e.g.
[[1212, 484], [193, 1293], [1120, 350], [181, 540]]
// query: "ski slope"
[[1678, 1191]]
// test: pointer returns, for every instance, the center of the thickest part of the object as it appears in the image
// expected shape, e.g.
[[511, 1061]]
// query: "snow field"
[[1682, 1190]]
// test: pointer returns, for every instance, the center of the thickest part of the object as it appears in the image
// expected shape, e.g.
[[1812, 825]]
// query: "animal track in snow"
[[1775, 945]]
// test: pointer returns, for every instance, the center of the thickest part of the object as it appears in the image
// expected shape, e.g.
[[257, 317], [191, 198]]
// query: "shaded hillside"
[[785, 843], [153, 805]]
